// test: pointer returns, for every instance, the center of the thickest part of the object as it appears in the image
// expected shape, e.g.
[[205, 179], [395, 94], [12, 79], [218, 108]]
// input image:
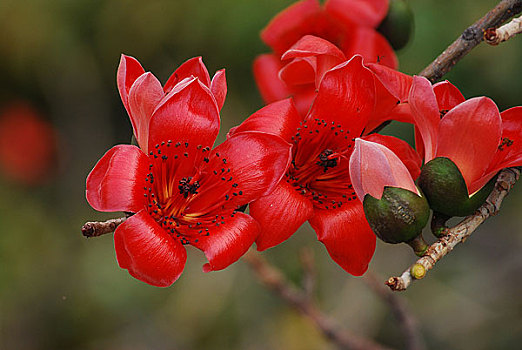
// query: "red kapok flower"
[[27, 144], [349, 26], [180, 191], [318, 186]]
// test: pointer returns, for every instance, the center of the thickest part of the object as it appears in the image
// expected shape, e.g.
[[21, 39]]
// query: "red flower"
[[349, 26], [27, 144], [471, 133], [318, 186], [180, 190]]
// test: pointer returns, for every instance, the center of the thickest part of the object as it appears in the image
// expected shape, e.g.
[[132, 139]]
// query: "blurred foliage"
[[60, 291]]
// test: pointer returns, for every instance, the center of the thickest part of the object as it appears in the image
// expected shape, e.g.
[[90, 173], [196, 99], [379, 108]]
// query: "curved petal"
[[408, 156], [228, 242], [280, 214], [448, 96], [425, 111], [148, 252], [266, 73], [346, 96], [193, 67], [129, 70], [279, 118], [371, 45], [366, 13], [218, 86], [116, 182], [469, 135], [299, 71], [346, 235], [374, 166], [397, 83], [144, 96], [240, 170], [291, 24]]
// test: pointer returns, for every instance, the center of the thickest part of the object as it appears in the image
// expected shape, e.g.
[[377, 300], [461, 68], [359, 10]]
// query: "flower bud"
[[446, 191], [397, 27]]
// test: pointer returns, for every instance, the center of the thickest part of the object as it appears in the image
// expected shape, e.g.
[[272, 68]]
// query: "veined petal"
[[266, 73], [280, 214], [193, 67], [144, 96], [218, 86], [425, 111], [228, 242], [469, 135], [242, 169], [128, 71], [148, 252], [371, 45], [346, 235], [366, 13], [291, 24], [279, 118], [116, 182], [448, 96], [374, 166]]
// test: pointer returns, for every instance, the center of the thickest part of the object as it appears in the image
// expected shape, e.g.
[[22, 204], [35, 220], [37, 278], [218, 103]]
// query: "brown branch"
[[494, 36], [400, 310], [459, 233], [274, 280], [470, 38], [98, 228], [309, 272]]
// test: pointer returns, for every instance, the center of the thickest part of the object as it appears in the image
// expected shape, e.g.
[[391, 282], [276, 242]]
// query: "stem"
[[507, 31], [98, 228], [438, 224], [419, 245]]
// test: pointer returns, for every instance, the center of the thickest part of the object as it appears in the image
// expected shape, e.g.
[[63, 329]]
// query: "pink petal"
[[278, 118], [280, 214], [448, 96], [218, 86], [469, 135], [371, 45], [366, 13], [193, 67], [116, 182], [425, 113], [128, 71], [228, 242], [266, 73], [346, 235], [148, 252]]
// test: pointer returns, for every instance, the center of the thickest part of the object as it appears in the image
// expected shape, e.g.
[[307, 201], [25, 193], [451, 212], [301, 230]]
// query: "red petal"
[[218, 86], [469, 135], [374, 166], [291, 24], [116, 183], [448, 96], [397, 83], [257, 162], [193, 67], [408, 156], [228, 242], [425, 113], [371, 45], [144, 96], [148, 252], [266, 73], [278, 118], [280, 214], [299, 71], [366, 13], [128, 71], [346, 96], [347, 236]]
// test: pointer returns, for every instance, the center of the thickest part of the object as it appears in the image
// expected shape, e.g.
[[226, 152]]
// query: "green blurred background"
[[61, 291]]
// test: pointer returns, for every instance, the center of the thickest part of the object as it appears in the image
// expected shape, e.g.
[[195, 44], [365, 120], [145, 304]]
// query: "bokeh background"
[[59, 290]]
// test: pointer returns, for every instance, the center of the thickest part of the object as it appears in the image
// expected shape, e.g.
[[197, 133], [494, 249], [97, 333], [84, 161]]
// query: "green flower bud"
[[397, 27]]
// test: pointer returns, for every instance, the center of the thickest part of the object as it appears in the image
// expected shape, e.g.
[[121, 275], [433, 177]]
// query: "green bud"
[[446, 191], [399, 216], [397, 27]]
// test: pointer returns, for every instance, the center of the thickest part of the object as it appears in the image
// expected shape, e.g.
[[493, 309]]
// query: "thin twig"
[[275, 280], [470, 38], [309, 273], [494, 36], [407, 322], [98, 228], [457, 234]]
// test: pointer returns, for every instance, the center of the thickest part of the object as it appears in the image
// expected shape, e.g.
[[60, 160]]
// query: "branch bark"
[[457, 234], [98, 228], [507, 31]]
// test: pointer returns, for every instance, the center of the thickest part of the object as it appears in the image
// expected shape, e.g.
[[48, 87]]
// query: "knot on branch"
[[470, 34]]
